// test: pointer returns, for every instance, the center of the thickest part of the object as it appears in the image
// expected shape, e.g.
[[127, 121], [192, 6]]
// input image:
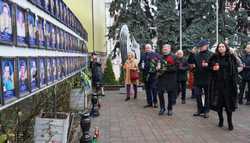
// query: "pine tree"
[[109, 76], [122, 76]]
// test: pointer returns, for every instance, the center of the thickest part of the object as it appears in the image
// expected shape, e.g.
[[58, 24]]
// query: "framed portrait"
[[8, 79], [62, 40], [39, 3], [47, 35], [57, 9], [49, 70], [40, 32], [6, 22], [46, 6], [62, 63], [31, 39], [59, 68], [53, 37], [42, 72], [54, 69], [65, 14], [33, 73], [58, 43], [20, 27], [65, 60], [66, 39], [52, 7], [23, 81]]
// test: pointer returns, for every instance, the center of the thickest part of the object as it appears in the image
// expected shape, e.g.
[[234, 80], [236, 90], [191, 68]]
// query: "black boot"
[[221, 120], [229, 120], [127, 99]]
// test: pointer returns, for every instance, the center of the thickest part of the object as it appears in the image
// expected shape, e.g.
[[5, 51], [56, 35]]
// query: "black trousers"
[[171, 99], [182, 85], [242, 90], [151, 90], [222, 105], [199, 93], [128, 86]]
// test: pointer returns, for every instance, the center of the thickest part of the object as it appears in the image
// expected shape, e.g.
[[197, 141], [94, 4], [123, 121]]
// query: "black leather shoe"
[[240, 102], [127, 99], [183, 102], [248, 103], [170, 112], [197, 114], [148, 106], [220, 124], [206, 115], [155, 106], [135, 97], [161, 112], [230, 127]]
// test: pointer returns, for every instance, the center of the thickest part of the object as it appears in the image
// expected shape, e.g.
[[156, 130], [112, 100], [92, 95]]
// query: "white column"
[[180, 24]]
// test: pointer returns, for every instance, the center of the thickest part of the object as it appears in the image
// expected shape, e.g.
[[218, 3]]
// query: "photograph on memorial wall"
[[20, 27], [31, 29], [33, 74], [58, 39], [65, 66], [8, 80], [53, 37], [59, 68], [46, 5], [52, 7], [39, 3], [62, 63], [61, 10], [40, 31], [62, 40], [54, 69], [49, 70], [47, 34], [57, 11], [23, 81], [6, 32], [42, 72]]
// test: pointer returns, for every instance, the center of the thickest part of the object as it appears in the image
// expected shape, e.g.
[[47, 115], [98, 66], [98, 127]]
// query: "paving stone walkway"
[[129, 122]]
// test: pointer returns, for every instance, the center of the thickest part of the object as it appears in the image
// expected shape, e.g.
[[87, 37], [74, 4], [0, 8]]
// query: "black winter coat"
[[201, 74], [246, 71], [168, 79], [182, 68], [222, 87], [96, 69]]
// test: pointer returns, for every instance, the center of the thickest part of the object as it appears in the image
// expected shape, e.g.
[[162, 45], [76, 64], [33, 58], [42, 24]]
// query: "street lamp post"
[[180, 24], [217, 21]]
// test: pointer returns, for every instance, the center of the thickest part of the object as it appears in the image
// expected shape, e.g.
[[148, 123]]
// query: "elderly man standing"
[[148, 64], [201, 77], [167, 80]]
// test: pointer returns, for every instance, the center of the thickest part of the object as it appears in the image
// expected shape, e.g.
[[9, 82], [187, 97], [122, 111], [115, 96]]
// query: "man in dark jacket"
[[246, 76], [167, 80], [149, 61], [182, 68], [96, 70], [201, 77]]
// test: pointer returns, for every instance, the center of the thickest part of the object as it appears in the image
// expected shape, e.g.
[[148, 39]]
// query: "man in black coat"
[[167, 79], [182, 68], [97, 74], [246, 76], [149, 61], [201, 77]]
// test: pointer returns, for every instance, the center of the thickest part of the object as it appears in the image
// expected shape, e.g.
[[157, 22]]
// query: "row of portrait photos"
[[23, 28], [22, 76], [59, 10]]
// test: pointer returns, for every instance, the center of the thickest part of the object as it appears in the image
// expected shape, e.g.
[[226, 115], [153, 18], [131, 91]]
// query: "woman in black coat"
[[223, 83]]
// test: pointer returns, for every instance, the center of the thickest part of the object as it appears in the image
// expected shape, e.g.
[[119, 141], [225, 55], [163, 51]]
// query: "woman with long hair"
[[130, 65], [223, 83]]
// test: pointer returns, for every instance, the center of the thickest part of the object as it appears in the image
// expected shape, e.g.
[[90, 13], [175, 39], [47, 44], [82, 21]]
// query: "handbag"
[[134, 75]]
